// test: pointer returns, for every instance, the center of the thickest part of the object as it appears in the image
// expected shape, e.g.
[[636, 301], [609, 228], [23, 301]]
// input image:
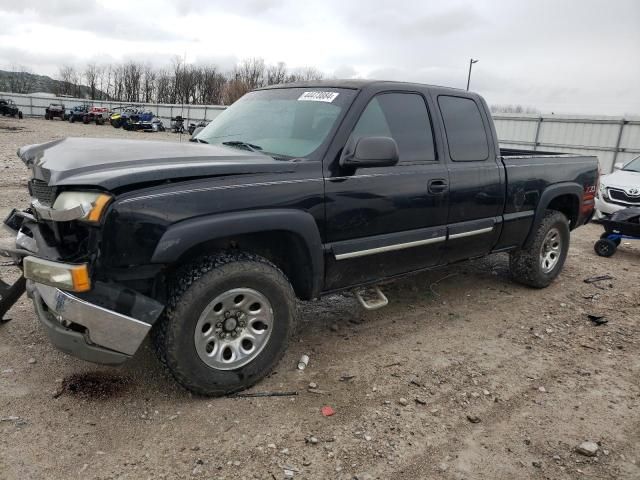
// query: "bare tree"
[[149, 83], [233, 90], [21, 80], [251, 71], [305, 75], [69, 79], [276, 74], [91, 73], [131, 81]]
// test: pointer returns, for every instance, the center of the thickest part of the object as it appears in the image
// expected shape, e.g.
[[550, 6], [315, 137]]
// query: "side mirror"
[[618, 166], [371, 152]]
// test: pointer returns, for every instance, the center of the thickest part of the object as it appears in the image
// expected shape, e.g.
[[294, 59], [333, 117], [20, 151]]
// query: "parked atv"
[[96, 114], [121, 115], [54, 110], [77, 113], [177, 124], [8, 107], [139, 120]]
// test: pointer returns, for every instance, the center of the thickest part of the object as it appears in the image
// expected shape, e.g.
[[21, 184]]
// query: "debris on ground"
[[588, 449], [473, 418], [599, 278], [597, 319], [264, 394], [303, 362], [327, 411]]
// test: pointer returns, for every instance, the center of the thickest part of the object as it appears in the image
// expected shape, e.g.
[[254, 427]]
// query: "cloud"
[[561, 56]]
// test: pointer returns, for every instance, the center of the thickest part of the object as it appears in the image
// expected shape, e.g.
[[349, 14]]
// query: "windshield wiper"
[[199, 140], [246, 145]]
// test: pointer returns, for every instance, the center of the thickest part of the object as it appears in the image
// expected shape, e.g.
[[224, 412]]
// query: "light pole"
[[471, 62]]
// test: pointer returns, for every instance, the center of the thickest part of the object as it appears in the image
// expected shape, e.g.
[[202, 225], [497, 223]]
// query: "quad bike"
[[54, 110]]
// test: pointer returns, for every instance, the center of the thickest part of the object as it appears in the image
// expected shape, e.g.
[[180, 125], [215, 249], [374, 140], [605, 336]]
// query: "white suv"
[[620, 189]]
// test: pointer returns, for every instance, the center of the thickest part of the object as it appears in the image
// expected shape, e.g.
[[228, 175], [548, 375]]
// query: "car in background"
[[9, 107], [54, 110], [620, 189]]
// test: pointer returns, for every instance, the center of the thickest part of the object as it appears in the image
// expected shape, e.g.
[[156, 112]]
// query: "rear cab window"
[[464, 128], [403, 117]]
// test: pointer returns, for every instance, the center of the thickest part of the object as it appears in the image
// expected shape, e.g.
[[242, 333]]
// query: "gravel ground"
[[465, 375]]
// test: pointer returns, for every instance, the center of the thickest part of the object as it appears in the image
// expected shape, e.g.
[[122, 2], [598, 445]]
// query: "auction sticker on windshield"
[[318, 96]]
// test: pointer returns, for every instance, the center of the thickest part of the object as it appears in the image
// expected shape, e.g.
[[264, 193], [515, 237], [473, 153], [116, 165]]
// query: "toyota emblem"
[[634, 192]]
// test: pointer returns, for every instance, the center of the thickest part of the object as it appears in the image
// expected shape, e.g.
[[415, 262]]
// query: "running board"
[[372, 304]]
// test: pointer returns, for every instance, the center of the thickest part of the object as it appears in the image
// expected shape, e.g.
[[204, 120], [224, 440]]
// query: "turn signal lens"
[[99, 205]]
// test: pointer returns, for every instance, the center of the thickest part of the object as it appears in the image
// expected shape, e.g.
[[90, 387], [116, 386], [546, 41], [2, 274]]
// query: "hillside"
[[24, 82]]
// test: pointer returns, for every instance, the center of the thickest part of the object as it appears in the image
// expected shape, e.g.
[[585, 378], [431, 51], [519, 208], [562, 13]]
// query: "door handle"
[[438, 185]]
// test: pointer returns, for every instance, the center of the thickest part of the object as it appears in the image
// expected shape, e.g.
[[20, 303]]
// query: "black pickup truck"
[[294, 191]]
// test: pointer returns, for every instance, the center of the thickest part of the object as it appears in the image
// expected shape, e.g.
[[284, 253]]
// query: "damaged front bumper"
[[86, 330], [105, 325]]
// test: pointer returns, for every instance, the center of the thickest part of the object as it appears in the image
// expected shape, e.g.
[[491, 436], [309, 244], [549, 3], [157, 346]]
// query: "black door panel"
[[386, 221]]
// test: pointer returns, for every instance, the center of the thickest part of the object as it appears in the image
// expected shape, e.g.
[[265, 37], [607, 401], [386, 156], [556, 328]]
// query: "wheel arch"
[[562, 197], [288, 238]]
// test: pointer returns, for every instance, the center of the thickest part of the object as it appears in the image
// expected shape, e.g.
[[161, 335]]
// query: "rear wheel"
[[539, 264], [227, 324], [605, 247]]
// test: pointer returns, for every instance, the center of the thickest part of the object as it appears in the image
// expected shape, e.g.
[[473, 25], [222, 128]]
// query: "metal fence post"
[[623, 122], [535, 141]]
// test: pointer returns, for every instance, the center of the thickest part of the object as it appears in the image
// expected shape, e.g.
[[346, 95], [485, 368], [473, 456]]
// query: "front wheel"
[[228, 322], [539, 264]]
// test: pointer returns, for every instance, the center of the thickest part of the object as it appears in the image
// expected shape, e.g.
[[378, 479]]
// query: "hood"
[[626, 180], [113, 163]]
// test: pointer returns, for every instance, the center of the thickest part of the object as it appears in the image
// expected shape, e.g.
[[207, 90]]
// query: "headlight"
[[97, 200], [74, 278], [603, 191]]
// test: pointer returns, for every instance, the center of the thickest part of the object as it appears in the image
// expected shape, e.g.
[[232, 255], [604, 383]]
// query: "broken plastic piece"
[[327, 411]]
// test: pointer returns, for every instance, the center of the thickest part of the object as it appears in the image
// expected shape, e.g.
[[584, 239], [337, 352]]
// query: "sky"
[[565, 56]]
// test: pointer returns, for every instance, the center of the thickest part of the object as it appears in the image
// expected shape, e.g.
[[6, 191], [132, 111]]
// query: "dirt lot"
[[464, 375]]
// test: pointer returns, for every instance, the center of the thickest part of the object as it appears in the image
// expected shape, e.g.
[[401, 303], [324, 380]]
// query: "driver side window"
[[403, 117]]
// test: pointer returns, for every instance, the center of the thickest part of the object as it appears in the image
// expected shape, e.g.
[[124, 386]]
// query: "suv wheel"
[[227, 324], [539, 264]]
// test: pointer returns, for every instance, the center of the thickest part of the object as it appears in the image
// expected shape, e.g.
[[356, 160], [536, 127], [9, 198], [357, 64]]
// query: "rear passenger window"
[[403, 117], [466, 136]]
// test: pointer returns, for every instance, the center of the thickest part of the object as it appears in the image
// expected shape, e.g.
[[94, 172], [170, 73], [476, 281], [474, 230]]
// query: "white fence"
[[35, 105], [611, 139]]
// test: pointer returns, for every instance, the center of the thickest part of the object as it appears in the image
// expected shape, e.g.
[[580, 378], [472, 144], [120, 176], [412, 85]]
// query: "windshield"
[[633, 165], [287, 122]]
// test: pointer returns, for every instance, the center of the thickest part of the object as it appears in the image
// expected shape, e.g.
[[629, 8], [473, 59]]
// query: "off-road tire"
[[605, 247], [525, 263], [195, 286]]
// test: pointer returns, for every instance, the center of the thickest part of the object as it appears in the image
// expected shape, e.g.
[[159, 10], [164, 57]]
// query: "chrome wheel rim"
[[233, 328], [551, 250]]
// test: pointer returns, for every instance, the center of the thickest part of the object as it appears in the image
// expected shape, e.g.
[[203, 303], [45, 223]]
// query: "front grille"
[[622, 196], [42, 192]]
